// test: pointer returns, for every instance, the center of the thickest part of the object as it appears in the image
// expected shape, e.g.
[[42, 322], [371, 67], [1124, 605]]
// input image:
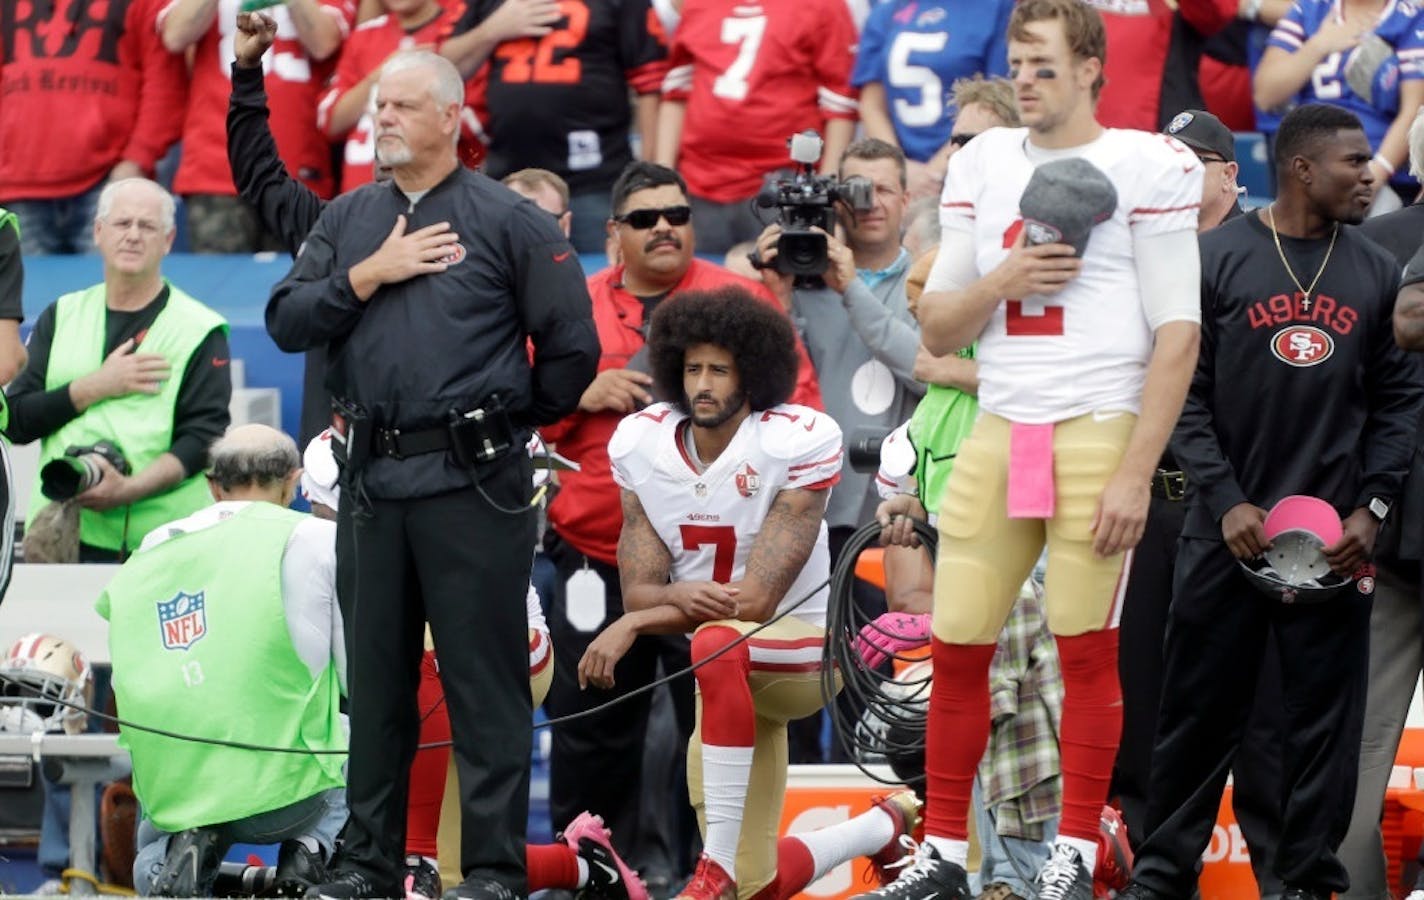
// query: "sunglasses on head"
[[643, 219], [959, 140]]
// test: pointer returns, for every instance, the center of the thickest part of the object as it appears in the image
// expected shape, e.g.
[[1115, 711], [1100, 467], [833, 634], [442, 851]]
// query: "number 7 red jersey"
[[709, 519], [752, 74]]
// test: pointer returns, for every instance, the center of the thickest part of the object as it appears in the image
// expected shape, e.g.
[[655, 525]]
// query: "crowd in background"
[[581, 89], [649, 129]]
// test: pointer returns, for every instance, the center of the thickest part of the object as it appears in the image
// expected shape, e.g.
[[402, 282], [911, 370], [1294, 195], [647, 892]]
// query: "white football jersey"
[[1046, 359], [709, 519]]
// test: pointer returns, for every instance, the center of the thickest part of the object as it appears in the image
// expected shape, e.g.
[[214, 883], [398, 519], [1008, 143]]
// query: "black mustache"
[[656, 242]]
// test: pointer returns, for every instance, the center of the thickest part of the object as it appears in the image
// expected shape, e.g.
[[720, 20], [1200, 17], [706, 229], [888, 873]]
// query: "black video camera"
[[806, 201], [78, 470]]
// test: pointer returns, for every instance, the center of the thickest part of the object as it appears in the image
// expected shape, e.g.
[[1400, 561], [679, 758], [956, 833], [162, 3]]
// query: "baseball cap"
[[1064, 200], [1203, 132]]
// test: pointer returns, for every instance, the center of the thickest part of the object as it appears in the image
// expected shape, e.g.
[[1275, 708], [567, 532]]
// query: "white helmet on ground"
[[38, 670]]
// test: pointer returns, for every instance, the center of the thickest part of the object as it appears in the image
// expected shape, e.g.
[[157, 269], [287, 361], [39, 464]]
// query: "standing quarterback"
[[1070, 256]]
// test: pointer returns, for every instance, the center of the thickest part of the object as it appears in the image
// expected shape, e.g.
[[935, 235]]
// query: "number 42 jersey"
[[709, 519]]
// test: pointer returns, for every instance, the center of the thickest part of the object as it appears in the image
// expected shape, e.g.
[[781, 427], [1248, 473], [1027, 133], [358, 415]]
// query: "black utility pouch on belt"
[[350, 435], [481, 435]]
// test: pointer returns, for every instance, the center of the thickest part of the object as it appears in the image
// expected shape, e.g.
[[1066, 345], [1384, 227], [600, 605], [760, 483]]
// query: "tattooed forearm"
[[644, 561], [783, 545]]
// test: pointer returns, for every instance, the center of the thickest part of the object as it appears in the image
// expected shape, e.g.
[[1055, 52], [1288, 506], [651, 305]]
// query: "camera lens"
[[67, 477], [802, 253]]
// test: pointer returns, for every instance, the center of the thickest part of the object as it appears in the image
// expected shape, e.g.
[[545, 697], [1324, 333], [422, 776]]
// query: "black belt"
[[1169, 485], [398, 444]]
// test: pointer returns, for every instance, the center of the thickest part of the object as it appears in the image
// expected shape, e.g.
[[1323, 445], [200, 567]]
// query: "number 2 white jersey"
[[1050, 358], [709, 520]]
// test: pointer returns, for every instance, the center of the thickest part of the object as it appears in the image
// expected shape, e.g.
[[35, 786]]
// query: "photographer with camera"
[[127, 386], [856, 323]]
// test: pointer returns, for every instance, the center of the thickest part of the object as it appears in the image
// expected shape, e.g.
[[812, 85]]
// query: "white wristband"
[[1384, 163]]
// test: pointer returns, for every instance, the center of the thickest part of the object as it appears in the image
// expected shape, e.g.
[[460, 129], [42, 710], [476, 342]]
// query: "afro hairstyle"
[[758, 336]]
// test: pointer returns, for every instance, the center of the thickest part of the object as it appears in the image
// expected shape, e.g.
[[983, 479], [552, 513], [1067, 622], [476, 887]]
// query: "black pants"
[[1139, 662], [1216, 636], [1256, 767], [1257, 794], [596, 763], [456, 562]]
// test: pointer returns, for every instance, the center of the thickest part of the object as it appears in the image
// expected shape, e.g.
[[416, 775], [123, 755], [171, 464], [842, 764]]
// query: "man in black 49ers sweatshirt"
[[1299, 389]]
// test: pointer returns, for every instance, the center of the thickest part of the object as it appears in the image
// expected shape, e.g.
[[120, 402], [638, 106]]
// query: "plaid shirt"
[[1019, 775]]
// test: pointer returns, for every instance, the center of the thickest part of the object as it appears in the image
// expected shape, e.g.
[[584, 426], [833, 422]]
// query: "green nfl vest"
[[140, 425], [939, 425], [199, 642]]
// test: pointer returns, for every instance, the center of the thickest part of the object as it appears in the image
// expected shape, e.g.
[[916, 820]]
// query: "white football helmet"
[[905, 705], [37, 670]]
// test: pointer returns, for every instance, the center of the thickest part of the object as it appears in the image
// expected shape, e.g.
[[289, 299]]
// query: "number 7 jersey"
[[1046, 359], [709, 520], [753, 73]]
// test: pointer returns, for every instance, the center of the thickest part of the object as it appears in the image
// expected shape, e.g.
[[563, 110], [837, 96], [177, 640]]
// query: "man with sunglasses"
[[1215, 145], [596, 763]]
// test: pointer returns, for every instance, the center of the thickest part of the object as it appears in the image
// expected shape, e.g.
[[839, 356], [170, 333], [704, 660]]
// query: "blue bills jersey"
[[1401, 25], [917, 49]]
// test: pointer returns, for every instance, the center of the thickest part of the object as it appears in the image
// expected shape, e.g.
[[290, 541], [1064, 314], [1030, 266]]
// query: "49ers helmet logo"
[[453, 257], [1302, 345]]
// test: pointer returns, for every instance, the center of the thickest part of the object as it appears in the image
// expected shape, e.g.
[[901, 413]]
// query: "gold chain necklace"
[[1305, 291]]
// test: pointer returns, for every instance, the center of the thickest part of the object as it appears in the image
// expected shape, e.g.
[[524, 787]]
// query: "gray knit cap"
[[1064, 199]]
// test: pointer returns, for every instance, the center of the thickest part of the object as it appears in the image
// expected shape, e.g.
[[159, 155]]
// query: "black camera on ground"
[[806, 201], [78, 470]]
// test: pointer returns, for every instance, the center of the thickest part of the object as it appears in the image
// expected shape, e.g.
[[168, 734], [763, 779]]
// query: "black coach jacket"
[[510, 318]]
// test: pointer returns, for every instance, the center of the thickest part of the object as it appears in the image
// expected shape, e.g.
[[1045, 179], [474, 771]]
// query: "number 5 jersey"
[[709, 518]]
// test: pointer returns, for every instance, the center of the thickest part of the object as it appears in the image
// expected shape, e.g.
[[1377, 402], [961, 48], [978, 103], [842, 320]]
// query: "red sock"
[[957, 733], [1092, 724], [728, 713], [795, 867], [551, 866], [427, 772]]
